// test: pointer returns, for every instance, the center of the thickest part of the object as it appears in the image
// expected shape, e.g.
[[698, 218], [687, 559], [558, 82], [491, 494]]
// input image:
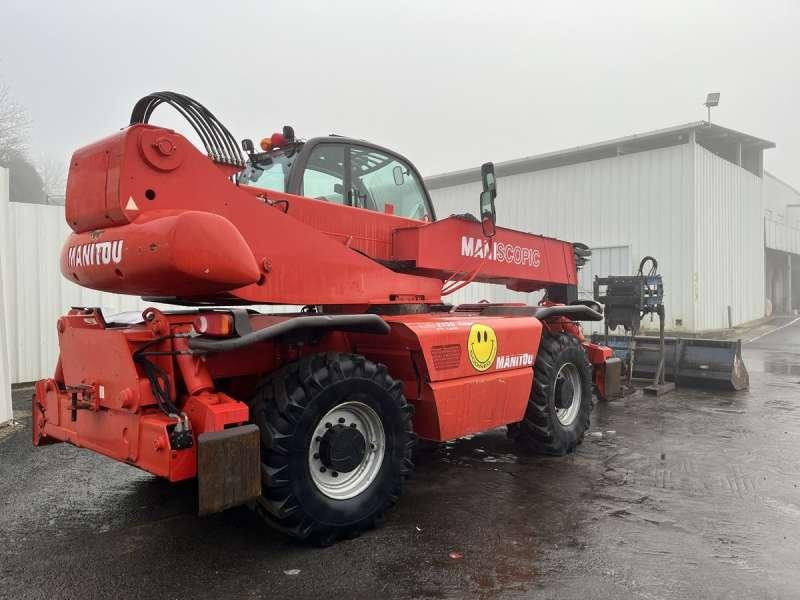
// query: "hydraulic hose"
[[366, 323]]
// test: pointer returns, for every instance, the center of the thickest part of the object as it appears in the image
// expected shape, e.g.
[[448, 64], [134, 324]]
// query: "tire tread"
[[280, 400], [537, 430]]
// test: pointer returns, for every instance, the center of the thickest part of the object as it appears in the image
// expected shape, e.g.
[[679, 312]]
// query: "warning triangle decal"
[[131, 205]]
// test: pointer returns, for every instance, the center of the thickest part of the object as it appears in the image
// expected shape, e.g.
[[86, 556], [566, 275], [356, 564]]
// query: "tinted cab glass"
[[386, 184], [324, 174]]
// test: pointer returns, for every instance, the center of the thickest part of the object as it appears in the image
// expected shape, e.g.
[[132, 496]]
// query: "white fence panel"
[[5, 383], [36, 293]]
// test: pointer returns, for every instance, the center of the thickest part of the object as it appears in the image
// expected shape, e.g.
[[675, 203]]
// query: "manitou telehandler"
[[311, 417]]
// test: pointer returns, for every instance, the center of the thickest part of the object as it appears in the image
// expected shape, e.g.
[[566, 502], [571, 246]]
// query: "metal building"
[[691, 195], [782, 240]]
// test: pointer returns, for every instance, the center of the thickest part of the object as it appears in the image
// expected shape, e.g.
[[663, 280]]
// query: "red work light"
[[277, 140]]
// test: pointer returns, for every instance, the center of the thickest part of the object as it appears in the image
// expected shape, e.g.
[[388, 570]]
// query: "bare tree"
[[25, 184], [54, 179], [14, 124]]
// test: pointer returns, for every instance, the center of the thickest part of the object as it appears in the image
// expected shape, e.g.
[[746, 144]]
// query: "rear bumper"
[[101, 400], [141, 439], [137, 439]]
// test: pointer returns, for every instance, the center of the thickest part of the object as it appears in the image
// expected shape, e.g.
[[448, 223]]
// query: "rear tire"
[[325, 414], [560, 403]]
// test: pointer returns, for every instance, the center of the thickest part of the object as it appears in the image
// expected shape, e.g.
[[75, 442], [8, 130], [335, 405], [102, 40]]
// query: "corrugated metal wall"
[[777, 196], [642, 201], [5, 383], [729, 246], [780, 236], [613, 260], [782, 224]]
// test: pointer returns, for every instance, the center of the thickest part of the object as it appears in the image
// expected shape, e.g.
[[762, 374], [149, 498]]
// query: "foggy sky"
[[448, 84]]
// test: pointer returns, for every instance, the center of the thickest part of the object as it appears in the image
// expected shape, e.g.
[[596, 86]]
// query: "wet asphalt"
[[693, 495]]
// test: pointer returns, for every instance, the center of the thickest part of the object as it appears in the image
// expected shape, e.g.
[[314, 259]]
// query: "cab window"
[[385, 184], [272, 173], [323, 177]]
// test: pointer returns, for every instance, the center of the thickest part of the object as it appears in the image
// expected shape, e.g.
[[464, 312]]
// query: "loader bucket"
[[687, 362]]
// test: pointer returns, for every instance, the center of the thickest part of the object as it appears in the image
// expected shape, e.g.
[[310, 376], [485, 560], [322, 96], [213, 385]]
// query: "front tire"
[[336, 443], [560, 403]]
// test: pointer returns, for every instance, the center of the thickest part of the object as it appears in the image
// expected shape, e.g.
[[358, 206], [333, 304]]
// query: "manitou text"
[[97, 253]]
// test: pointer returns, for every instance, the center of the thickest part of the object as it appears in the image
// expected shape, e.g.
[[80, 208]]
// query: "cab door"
[[385, 183], [362, 176]]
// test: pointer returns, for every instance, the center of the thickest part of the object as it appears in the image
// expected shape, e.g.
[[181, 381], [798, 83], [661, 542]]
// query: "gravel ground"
[[693, 495]]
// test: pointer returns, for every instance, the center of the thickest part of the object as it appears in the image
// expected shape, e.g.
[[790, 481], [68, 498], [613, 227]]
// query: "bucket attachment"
[[687, 362]]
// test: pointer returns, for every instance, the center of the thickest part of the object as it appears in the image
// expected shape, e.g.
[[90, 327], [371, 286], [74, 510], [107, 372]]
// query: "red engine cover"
[[164, 253]]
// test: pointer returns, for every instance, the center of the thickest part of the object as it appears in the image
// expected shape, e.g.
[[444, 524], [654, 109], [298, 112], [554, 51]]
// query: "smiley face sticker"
[[482, 346]]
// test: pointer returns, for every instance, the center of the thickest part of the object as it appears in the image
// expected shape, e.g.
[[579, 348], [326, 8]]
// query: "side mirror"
[[247, 146], [489, 193], [397, 172]]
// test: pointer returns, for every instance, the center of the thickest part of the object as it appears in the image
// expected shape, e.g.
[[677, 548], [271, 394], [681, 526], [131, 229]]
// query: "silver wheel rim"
[[567, 415], [341, 486]]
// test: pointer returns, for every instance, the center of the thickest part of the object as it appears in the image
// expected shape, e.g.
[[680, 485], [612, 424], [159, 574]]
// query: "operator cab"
[[338, 170]]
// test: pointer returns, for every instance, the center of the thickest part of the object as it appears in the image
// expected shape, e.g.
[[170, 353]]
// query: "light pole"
[[711, 100]]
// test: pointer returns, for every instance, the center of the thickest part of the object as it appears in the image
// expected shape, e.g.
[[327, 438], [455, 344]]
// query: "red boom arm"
[[153, 216]]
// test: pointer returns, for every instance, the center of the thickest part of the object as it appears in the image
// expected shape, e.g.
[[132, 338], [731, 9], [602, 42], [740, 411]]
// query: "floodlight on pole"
[[712, 99]]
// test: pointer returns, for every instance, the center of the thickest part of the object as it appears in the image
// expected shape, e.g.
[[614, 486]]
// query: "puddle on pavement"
[[490, 448], [775, 363]]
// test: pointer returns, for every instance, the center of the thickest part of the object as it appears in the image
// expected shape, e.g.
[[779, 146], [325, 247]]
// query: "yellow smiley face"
[[482, 346]]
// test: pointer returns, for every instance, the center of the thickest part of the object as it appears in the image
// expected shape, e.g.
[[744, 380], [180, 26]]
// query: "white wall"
[[780, 236], [642, 201], [782, 224], [777, 195], [611, 260], [729, 243], [36, 294], [5, 384]]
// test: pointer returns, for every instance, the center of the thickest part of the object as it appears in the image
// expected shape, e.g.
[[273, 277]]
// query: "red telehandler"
[[310, 417]]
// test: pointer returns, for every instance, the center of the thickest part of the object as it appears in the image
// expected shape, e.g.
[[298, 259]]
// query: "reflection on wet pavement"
[[779, 363], [692, 495]]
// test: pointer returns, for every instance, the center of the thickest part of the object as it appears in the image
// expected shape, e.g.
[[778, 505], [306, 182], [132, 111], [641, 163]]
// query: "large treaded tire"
[[288, 406], [541, 431]]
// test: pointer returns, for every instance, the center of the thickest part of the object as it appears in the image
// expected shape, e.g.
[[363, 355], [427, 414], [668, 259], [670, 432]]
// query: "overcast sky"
[[448, 84]]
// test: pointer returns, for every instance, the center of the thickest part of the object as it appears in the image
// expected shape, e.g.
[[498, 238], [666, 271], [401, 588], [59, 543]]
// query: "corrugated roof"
[[706, 134]]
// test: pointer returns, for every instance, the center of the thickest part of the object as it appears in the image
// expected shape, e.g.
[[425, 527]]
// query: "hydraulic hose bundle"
[[181, 433], [219, 144]]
